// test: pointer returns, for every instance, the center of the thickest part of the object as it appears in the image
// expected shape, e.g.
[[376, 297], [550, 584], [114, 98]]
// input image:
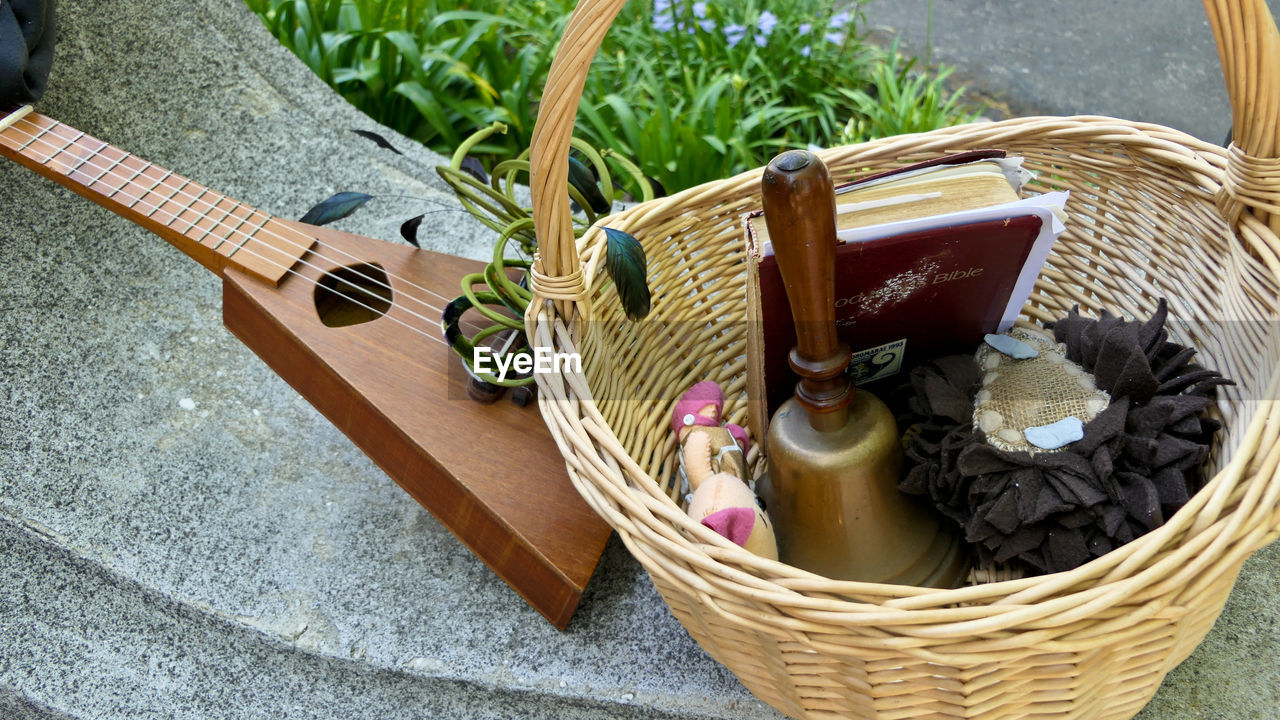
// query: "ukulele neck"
[[213, 229]]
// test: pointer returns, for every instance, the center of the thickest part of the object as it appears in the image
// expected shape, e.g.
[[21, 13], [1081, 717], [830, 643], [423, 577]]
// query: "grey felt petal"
[[1048, 504], [1166, 367], [1153, 335], [1141, 450], [982, 459], [1021, 542], [1189, 425], [1100, 545], [1142, 501], [1135, 380], [1112, 518], [1068, 331], [1169, 449], [1171, 487], [1075, 489], [1066, 548], [948, 401], [959, 370], [1118, 345], [1107, 426], [1003, 513]]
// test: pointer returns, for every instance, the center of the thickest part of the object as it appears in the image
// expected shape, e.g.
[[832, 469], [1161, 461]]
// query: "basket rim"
[[953, 612]]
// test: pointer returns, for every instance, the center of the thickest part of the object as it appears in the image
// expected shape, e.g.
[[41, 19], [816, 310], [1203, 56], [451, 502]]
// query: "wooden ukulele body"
[[492, 474]]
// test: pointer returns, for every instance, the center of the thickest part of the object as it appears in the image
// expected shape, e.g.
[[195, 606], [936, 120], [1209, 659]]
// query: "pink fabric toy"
[[713, 465]]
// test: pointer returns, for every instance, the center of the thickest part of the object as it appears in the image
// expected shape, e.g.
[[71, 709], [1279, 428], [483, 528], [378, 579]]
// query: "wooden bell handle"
[[800, 212]]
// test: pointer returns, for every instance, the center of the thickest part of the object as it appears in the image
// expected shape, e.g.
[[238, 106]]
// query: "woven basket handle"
[[557, 272], [1248, 44], [1249, 47]]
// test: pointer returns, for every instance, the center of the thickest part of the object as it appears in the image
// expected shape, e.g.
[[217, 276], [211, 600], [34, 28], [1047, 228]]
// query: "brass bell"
[[834, 453]]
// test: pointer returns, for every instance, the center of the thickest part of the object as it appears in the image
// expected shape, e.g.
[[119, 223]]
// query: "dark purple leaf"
[[581, 177], [626, 264], [381, 141], [658, 190], [409, 230], [335, 208], [474, 168]]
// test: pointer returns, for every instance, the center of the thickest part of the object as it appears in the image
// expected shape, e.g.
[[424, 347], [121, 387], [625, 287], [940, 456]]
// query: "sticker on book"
[[878, 362]]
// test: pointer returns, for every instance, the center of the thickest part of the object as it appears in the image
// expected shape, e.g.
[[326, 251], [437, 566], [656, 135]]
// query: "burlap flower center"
[[1020, 394]]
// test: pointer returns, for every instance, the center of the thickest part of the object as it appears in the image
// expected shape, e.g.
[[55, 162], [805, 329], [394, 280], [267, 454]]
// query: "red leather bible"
[[899, 300]]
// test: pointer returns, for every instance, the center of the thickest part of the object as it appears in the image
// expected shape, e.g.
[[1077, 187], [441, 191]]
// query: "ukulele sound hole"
[[352, 295]]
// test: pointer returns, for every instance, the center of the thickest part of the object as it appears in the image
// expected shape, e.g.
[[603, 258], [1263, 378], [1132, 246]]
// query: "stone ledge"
[[246, 535], [95, 644]]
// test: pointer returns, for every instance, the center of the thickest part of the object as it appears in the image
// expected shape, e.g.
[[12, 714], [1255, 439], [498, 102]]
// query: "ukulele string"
[[290, 270], [234, 231]]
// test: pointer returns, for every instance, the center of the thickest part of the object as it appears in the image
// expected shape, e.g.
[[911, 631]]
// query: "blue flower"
[[663, 16], [733, 34], [700, 10], [707, 25], [803, 28], [835, 38], [767, 22], [804, 51], [840, 19]]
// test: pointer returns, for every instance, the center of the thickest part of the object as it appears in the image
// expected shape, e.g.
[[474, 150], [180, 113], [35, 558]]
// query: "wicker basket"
[[1155, 213]]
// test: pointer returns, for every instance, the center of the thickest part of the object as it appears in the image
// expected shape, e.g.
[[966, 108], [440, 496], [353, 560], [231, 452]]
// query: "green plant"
[[694, 91], [900, 101], [430, 70], [502, 301], [697, 91]]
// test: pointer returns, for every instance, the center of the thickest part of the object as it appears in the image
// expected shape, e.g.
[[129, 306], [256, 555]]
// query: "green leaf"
[[408, 47], [716, 143], [471, 16], [625, 262], [425, 102], [336, 207]]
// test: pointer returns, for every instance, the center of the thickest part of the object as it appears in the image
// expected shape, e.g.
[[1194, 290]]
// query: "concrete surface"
[[1146, 60], [240, 558]]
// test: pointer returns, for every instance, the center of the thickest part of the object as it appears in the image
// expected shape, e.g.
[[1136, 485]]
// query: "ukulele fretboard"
[[215, 230]]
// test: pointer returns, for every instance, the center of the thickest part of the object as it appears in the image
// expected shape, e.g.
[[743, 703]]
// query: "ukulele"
[[353, 324]]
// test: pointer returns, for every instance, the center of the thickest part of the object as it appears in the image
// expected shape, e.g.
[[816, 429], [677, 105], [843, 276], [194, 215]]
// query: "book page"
[[898, 183], [1010, 167], [948, 191]]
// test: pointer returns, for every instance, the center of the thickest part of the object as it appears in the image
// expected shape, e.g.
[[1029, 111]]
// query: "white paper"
[[1017, 175]]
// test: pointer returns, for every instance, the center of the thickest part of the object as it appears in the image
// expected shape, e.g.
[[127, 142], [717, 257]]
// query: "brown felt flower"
[[1138, 462]]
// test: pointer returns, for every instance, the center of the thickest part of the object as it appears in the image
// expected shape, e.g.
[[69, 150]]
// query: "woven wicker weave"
[[1154, 213]]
